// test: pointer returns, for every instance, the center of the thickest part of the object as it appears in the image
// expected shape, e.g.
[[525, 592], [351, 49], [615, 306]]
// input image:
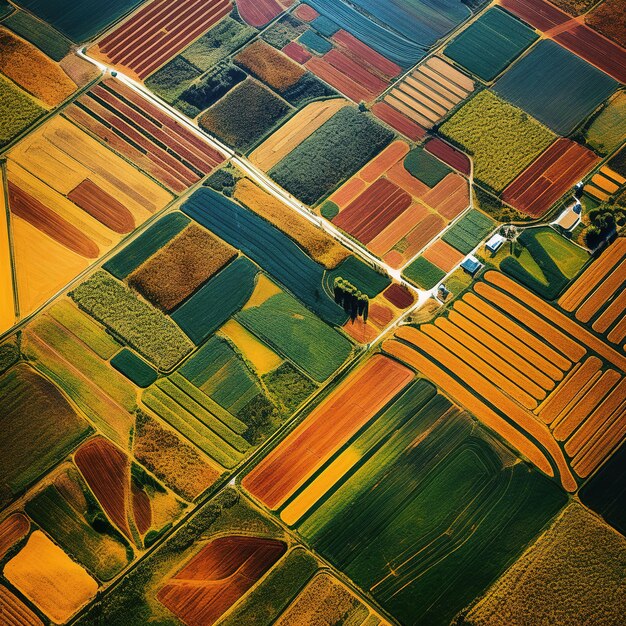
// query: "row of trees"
[[353, 301]]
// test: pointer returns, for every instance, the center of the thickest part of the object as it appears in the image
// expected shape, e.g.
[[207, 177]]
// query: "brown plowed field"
[[444, 256], [142, 510], [555, 171], [450, 197], [580, 39], [357, 71], [258, 13], [13, 612], [159, 30], [348, 192], [340, 81], [411, 218], [593, 275], [99, 204], [611, 313], [534, 351], [269, 65], [384, 161], [296, 52], [364, 54], [484, 387], [399, 175], [453, 157], [12, 529], [398, 121], [47, 221], [558, 319], [106, 470], [462, 394], [305, 13], [351, 405], [218, 576], [568, 389], [399, 296], [602, 293], [419, 237], [586, 405], [368, 215]]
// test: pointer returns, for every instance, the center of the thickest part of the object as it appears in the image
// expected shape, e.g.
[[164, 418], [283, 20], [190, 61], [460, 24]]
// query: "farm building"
[[569, 217], [471, 265], [494, 244]]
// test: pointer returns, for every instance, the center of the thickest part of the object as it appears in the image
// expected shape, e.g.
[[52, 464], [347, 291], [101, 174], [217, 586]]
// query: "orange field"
[[269, 65], [443, 255], [482, 385], [611, 313], [592, 277], [567, 390], [14, 612], [618, 333], [601, 295], [351, 405], [7, 302], [410, 219], [384, 161], [32, 70], [12, 529]]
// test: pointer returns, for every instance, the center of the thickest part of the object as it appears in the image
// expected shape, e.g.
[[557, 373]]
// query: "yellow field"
[[262, 358], [7, 310], [309, 496], [294, 132], [50, 579], [42, 265], [62, 156], [320, 246], [263, 290], [32, 70]]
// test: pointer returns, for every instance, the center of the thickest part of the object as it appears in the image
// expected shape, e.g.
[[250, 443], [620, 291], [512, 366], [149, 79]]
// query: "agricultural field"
[[313, 312], [502, 139], [540, 84], [490, 44]]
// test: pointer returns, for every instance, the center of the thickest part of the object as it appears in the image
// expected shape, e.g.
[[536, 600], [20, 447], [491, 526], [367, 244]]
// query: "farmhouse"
[[471, 265], [493, 245]]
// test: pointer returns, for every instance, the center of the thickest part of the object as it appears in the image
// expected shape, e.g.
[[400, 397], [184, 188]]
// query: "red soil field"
[[158, 31], [362, 53], [450, 197], [220, 574], [602, 294], [258, 13], [142, 510], [398, 121], [305, 13], [340, 81], [186, 157], [399, 296], [348, 192], [570, 33], [373, 210], [576, 380], [349, 407], [586, 405], [403, 224], [357, 71], [593, 275], [106, 470], [403, 178], [47, 221], [538, 187], [558, 319], [384, 161], [14, 612], [482, 386], [99, 204], [12, 529], [296, 52], [444, 256], [453, 157]]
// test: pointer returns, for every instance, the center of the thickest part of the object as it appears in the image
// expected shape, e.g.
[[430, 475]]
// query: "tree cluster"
[[353, 301], [603, 221]]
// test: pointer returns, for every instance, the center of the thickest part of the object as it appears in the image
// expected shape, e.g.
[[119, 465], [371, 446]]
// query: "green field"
[[362, 276], [17, 111], [425, 167], [469, 231], [424, 273], [541, 84], [502, 139], [39, 427], [298, 335], [46, 38], [100, 551], [289, 386], [172, 79], [144, 328], [245, 115], [214, 303], [434, 512], [608, 129], [335, 151], [134, 368], [491, 43], [143, 247], [544, 261]]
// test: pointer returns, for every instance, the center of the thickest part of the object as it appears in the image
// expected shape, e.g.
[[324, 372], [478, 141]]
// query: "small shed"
[[471, 265], [493, 245]]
